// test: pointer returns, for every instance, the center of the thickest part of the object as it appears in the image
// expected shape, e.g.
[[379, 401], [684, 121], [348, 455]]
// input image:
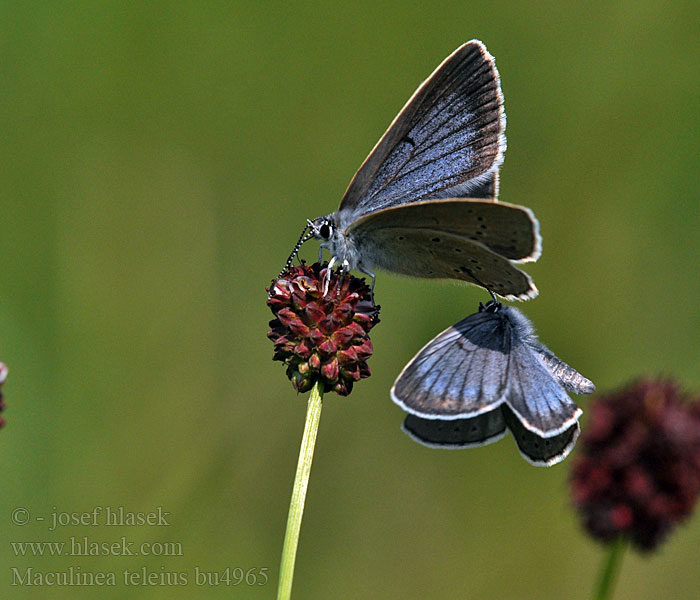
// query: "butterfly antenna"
[[305, 236]]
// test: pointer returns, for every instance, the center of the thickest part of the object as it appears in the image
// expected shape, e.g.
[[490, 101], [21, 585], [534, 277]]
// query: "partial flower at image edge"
[[637, 472]]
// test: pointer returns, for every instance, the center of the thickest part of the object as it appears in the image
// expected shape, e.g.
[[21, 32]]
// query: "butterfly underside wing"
[[470, 240], [487, 365], [505, 229]]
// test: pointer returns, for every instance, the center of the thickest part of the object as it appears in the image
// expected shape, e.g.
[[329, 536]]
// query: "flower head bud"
[[321, 327], [638, 470]]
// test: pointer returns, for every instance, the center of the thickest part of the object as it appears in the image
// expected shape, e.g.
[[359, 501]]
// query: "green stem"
[[610, 569], [301, 483]]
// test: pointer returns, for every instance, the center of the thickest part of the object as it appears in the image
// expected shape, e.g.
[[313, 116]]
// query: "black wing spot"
[[479, 233], [401, 238], [474, 261], [437, 240], [480, 218], [482, 226], [458, 250]]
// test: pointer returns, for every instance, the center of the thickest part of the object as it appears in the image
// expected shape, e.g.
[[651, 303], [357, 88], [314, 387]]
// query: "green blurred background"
[[158, 162]]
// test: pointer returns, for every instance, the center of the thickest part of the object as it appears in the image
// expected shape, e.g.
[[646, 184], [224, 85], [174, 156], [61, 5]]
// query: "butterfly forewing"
[[542, 405], [484, 187], [449, 133], [458, 374]]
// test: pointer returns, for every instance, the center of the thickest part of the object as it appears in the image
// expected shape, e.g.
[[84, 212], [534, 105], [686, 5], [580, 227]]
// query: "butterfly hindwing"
[[483, 429], [441, 255], [488, 428], [541, 451], [506, 229]]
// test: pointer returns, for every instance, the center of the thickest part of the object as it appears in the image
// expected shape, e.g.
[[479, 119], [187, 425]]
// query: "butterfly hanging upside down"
[[487, 374], [424, 202]]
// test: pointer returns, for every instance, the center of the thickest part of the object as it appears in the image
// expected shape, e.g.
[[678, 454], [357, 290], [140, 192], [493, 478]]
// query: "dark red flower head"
[[638, 470], [321, 327], [3, 377]]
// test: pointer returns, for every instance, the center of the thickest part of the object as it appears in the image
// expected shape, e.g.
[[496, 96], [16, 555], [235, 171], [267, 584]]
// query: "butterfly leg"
[[374, 278], [483, 285], [327, 277], [344, 270]]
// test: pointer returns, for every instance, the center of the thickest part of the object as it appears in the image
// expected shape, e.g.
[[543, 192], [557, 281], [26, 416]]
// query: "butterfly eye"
[[325, 231]]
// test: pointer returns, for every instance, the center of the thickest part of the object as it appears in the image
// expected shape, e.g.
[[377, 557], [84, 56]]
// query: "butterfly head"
[[330, 232], [322, 228], [491, 306]]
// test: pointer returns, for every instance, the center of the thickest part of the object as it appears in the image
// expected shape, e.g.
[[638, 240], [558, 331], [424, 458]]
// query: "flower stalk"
[[301, 484], [321, 334], [610, 569]]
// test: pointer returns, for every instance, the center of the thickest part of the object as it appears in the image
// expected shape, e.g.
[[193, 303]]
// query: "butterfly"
[[423, 203], [488, 374]]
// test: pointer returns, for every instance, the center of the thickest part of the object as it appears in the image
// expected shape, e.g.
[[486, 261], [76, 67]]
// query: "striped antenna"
[[304, 237]]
